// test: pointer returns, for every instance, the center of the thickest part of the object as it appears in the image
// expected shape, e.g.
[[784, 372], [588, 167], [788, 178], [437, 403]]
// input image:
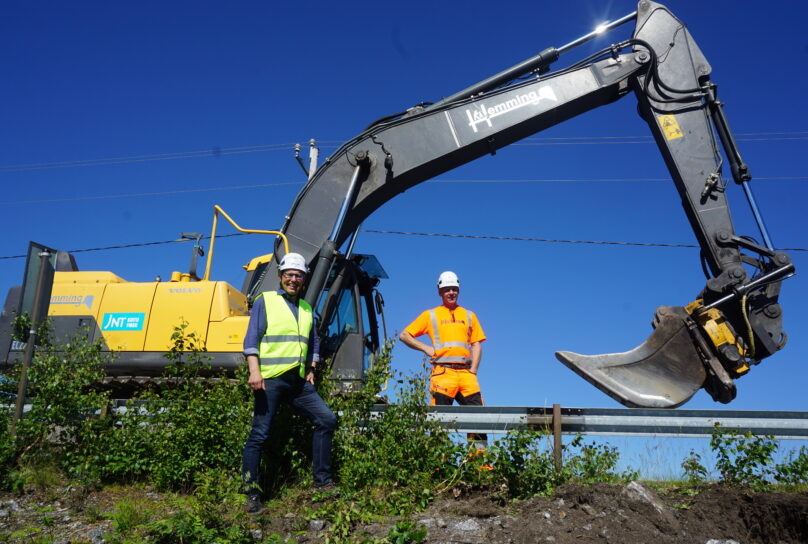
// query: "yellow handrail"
[[216, 211]]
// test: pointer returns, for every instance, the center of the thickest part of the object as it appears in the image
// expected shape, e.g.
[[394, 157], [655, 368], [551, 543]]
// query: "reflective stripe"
[[269, 361], [438, 345], [285, 338], [455, 345], [435, 331], [441, 360]]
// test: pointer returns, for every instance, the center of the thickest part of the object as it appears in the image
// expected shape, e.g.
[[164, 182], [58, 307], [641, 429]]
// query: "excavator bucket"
[[662, 372]]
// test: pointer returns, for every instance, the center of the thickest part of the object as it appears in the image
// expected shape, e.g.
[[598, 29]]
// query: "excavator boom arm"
[[669, 75]]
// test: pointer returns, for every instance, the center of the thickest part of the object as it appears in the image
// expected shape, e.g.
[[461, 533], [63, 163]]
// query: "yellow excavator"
[[734, 323]]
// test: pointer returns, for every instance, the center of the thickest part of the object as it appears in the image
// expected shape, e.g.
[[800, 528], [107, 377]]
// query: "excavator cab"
[[349, 312]]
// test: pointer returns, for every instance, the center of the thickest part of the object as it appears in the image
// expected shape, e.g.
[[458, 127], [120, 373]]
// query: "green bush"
[[593, 463], [743, 459], [177, 430], [523, 459], [695, 472], [402, 452], [65, 399], [794, 471]]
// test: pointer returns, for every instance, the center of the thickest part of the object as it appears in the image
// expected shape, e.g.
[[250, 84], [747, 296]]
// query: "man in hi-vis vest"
[[282, 351], [456, 348]]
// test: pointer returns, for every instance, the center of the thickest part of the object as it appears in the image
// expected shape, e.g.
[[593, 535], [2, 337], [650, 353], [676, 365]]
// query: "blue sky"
[[125, 123]]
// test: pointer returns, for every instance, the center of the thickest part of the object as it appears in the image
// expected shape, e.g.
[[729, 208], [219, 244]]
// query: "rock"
[[316, 525], [467, 526], [549, 538], [638, 492], [257, 534], [587, 527], [546, 515], [713, 541], [429, 523], [605, 533], [4, 514], [589, 510], [96, 535]]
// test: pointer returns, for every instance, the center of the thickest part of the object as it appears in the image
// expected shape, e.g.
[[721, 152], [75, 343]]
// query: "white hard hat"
[[293, 261], [448, 279]]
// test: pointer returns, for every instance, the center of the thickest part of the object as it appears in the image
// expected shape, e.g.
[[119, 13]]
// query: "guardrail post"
[[557, 436]]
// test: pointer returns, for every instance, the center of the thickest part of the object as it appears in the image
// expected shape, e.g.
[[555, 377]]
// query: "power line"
[[217, 151], [158, 193], [523, 239], [546, 240], [213, 152], [405, 233], [127, 246], [262, 185]]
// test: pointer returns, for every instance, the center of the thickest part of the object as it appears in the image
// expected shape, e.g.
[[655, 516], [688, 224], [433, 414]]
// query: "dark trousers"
[[302, 396], [475, 399]]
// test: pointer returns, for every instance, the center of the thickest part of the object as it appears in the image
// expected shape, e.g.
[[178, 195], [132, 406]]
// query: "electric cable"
[[466, 180], [406, 233], [333, 144]]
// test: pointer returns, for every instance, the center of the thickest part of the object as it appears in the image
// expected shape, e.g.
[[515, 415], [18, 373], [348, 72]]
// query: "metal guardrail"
[[620, 421], [781, 425]]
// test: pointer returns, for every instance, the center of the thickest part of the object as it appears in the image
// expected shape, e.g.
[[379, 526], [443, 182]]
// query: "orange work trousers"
[[448, 384]]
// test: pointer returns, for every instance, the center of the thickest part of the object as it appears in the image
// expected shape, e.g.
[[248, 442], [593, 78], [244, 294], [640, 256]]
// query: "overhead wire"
[[586, 140], [408, 233], [282, 183], [333, 144]]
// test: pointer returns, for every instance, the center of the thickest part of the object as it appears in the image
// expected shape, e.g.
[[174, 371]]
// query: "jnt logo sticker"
[[123, 322]]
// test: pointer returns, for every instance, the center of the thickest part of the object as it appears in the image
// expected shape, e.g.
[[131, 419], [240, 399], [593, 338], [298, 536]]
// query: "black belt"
[[456, 366]]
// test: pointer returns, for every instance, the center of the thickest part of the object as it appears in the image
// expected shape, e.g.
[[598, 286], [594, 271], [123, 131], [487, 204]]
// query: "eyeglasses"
[[293, 276], [449, 289]]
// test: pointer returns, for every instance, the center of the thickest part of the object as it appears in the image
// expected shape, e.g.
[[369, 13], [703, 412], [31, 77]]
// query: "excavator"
[[733, 324]]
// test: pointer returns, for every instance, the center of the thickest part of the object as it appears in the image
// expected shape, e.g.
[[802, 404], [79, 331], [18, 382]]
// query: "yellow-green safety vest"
[[286, 341]]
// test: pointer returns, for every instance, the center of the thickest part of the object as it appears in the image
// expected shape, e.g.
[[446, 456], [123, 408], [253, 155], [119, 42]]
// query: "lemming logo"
[[483, 114], [74, 300]]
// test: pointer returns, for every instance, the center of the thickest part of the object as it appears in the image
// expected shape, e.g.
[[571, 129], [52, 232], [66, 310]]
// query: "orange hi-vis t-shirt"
[[456, 330]]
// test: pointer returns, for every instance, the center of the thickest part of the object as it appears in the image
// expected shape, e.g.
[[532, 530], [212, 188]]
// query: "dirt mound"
[[633, 513]]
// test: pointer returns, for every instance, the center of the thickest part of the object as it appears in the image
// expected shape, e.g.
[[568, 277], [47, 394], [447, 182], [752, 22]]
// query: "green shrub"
[[593, 463], [129, 515], [694, 471], [402, 450], [794, 471], [64, 397], [743, 459], [524, 460], [176, 431]]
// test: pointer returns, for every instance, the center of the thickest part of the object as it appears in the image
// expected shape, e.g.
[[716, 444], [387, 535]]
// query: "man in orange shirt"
[[456, 348]]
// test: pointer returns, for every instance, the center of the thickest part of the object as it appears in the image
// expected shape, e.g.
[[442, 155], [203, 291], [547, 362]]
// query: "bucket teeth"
[[665, 371]]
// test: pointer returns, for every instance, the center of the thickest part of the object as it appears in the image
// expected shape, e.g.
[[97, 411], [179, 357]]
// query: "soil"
[[633, 513]]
